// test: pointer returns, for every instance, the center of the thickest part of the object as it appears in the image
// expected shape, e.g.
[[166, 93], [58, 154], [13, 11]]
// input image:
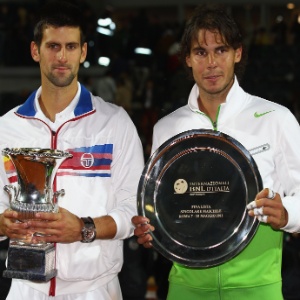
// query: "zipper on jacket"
[[52, 288], [214, 123], [53, 138], [219, 283]]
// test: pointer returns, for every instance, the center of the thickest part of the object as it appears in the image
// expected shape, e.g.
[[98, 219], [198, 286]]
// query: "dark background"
[[156, 84]]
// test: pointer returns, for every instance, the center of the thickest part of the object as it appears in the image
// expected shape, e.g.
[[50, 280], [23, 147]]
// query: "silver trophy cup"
[[36, 169]]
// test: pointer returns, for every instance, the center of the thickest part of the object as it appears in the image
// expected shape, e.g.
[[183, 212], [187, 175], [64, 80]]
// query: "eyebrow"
[[58, 43], [198, 47]]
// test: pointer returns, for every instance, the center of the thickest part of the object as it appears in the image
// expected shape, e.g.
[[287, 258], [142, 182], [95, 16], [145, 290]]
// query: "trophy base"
[[29, 276], [31, 263]]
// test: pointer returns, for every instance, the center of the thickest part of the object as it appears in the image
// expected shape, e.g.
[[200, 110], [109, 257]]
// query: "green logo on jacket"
[[257, 115]]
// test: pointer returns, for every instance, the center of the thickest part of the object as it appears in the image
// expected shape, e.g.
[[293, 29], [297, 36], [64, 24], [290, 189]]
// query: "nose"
[[61, 54], [211, 60]]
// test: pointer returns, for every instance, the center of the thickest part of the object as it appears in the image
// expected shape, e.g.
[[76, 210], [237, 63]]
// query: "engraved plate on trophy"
[[195, 189], [36, 169]]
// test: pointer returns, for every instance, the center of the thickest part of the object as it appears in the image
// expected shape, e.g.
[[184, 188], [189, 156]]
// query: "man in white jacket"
[[62, 114], [212, 50]]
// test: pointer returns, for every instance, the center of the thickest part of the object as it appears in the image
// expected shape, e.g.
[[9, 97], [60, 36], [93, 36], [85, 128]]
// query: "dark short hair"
[[213, 18], [58, 14]]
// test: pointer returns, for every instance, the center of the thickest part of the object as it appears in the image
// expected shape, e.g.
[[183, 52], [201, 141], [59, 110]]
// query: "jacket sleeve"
[[287, 162], [126, 172]]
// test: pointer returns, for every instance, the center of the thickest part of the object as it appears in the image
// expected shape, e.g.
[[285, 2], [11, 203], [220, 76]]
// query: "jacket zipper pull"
[[214, 125], [53, 138]]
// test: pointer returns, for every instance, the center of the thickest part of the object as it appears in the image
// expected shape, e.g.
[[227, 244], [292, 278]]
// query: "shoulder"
[[171, 125], [263, 106], [111, 115], [11, 114], [176, 115], [267, 114], [107, 108]]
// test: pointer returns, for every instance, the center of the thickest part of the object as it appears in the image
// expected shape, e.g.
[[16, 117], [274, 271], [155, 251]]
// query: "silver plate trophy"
[[194, 189], [36, 169]]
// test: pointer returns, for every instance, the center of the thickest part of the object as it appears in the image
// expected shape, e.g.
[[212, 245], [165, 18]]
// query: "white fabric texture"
[[269, 131]]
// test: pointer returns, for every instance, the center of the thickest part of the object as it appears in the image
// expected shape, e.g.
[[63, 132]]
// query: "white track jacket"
[[100, 179], [268, 130]]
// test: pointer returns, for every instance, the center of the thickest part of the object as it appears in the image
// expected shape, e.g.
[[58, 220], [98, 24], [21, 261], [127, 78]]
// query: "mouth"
[[61, 68], [212, 77]]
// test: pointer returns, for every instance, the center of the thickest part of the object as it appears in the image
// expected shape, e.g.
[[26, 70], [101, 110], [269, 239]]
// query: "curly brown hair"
[[213, 18]]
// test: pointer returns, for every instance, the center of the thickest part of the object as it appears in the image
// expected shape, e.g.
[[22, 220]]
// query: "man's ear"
[[83, 53], [238, 54], [34, 52], [188, 61]]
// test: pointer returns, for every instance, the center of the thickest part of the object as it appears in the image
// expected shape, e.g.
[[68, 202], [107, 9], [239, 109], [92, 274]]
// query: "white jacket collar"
[[235, 100]]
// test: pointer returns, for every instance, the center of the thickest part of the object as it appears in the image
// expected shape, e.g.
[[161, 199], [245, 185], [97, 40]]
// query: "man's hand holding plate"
[[142, 229], [268, 208]]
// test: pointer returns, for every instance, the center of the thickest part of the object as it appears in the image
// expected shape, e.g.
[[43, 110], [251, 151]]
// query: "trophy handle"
[[12, 192], [56, 195], [59, 193]]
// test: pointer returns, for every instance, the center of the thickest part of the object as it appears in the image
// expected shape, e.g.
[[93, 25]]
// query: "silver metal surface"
[[36, 169], [194, 189]]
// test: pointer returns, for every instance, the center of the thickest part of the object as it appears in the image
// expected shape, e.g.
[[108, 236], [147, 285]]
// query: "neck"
[[209, 107], [209, 102], [54, 100]]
